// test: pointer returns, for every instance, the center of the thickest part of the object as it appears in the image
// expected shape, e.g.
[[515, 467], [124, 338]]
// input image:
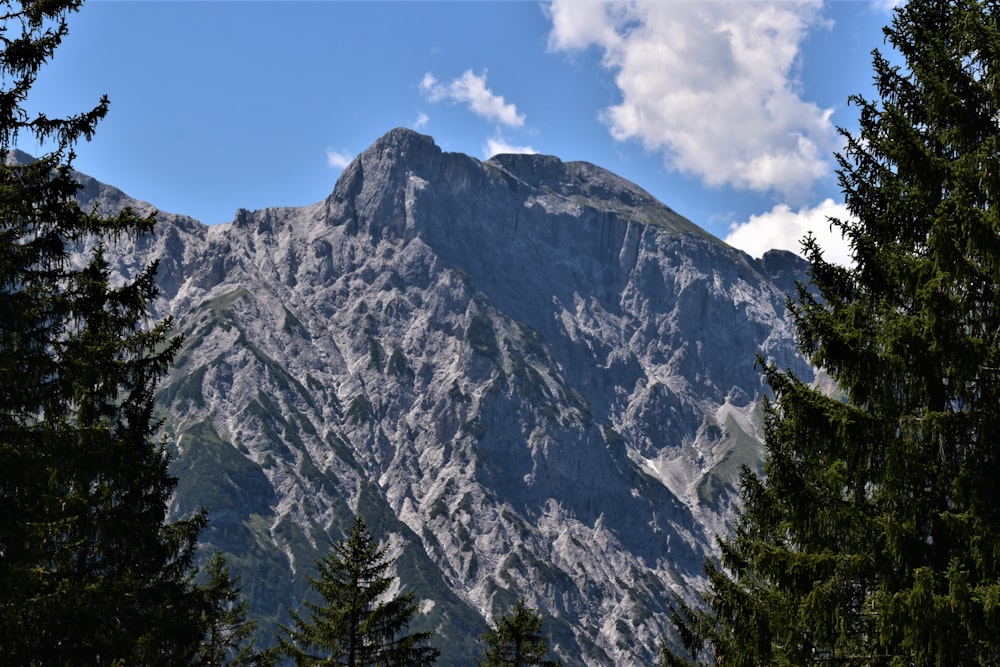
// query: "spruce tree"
[[228, 635], [516, 640], [355, 625], [873, 537], [91, 571]]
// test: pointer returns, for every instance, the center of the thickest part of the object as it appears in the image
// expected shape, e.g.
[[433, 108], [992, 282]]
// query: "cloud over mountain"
[[338, 159], [470, 89], [784, 228], [711, 86], [498, 145]]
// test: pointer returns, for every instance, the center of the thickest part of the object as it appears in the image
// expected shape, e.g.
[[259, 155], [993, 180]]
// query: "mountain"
[[531, 377]]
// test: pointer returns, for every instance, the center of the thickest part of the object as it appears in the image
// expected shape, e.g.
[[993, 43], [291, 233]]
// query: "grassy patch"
[[360, 409], [399, 365], [482, 336]]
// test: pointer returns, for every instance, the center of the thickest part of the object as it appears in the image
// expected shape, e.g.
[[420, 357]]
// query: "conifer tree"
[[355, 625], [228, 639], [516, 640], [91, 571], [873, 537]]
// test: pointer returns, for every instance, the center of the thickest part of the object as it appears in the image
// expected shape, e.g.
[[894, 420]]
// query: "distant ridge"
[[530, 376]]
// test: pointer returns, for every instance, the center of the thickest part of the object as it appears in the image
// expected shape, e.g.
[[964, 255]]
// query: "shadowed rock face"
[[530, 376]]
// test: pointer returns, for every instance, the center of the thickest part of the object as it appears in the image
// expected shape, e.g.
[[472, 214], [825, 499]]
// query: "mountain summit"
[[531, 377]]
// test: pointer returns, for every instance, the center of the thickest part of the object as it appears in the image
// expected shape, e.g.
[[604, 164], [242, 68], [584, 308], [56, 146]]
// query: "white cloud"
[[887, 6], [710, 85], [338, 159], [783, 228], [422, 119], [498, 145], [471, 89], [577, 25]]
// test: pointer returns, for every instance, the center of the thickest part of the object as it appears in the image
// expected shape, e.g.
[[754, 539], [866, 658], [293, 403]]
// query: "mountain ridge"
[[530, 376]]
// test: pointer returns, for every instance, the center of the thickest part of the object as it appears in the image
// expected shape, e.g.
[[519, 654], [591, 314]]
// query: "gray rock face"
[[530, 376]]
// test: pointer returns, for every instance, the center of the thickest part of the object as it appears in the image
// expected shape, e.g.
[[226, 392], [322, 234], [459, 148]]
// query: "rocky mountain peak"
[[404, 142], [18, 157], [395, 171], [531, 377], [572, 179], [784, 268], [396, 153]]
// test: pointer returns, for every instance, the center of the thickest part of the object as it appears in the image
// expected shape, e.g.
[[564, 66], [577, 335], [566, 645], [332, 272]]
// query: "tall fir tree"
[[516, 640], [873, 537], [228, 633], [355, 625], [91, 571]]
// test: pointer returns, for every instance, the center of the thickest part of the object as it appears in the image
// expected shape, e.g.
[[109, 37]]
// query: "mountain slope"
[[530, 376]]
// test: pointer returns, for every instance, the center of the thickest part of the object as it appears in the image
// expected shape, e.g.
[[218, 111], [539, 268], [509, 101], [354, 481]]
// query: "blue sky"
[[724, 110]]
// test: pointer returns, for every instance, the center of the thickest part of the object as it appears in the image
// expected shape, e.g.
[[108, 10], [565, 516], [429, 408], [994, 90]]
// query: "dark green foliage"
[[612, 437], [227, 638], [532, 341], [360, 409], [355, 625], [293, 325], [91, 572], [456, 395], [873, 537], [376, 352], [186, 390], [532, 385], [474, 427], [482, 336], [738, 449], [214, 474], [399, 366], [516, 640]]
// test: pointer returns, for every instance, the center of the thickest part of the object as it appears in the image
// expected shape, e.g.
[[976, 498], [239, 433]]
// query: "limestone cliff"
[[530, 376]]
